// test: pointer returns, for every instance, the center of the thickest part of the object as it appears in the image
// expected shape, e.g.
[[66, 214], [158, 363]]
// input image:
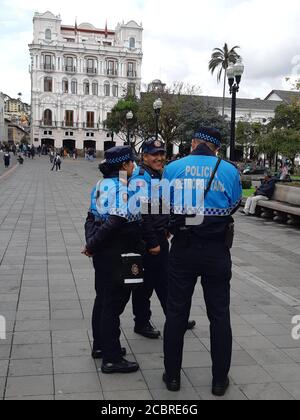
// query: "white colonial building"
[[78, 73]]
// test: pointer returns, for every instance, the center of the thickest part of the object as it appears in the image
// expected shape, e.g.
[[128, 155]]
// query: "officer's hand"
[[155, 251]]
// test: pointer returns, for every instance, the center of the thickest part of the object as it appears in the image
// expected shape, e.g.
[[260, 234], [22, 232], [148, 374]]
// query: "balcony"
[[90, 126], [112, 72], [49, 67], [91, 71], [70, 124], [70, 69], [48, 123], [132, 74]]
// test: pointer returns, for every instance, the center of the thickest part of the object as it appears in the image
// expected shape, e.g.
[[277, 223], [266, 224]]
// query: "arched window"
[[48, 117], [95, 88], [65, 86], [86, 87], [132, 43], [115, 90], [106, 89], [48, 34], [74, 87]]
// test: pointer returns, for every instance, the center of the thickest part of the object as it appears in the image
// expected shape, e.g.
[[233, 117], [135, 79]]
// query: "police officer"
[[110, 231], [202, 248], [155, 234]]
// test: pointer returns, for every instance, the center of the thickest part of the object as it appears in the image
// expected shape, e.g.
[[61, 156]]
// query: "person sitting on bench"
[[263, 193]]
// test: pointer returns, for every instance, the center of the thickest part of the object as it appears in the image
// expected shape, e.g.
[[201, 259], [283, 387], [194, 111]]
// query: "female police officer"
[[111, 231]]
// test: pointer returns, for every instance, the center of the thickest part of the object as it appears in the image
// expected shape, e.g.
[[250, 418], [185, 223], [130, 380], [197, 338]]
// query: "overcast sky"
[[179, 37]]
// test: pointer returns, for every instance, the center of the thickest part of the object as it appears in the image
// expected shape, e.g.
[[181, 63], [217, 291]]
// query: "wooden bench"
[[284, 206]]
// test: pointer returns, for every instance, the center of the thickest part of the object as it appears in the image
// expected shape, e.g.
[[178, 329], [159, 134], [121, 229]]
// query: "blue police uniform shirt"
[[225, 193], [110, 197]]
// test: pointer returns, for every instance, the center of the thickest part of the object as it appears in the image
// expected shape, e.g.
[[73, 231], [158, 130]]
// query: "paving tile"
[[243, 375], [270, 357], [185, 394], [266, 392], [233, 394], [3, 368], [31, 351], [29, 386], [154, 380], [76, 383], [119, 382], [30, 367], [92, 396], [74, 364], [293, 388], [71, 349], [136, 395], [40, 337], [284, 373]]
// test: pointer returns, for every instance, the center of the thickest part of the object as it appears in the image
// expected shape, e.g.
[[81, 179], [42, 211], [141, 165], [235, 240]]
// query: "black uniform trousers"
[[111, 299], [212, 261], [155, 278]]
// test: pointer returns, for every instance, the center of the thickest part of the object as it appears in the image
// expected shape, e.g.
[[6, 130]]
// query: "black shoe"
[[173, 385], [97, 354], [124, 366], [147, 331], [191, 325], [219, 388]]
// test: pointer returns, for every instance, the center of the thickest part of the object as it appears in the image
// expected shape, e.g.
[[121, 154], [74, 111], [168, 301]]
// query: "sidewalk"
[[46, 295]]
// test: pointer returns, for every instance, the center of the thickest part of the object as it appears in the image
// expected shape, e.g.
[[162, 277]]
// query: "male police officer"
[[155, 234], [202, 250]]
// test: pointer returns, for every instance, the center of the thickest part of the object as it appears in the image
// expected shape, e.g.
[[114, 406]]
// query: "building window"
[[48, 117], [74, 87], [86, 88], [112, 68], [65, 86], [69, 64], [132, 43], [90, 66], [48, 34], [48, 62], [131, 89], [115, 90], [48, 84], [131, 70], [71, 134], [92, 134], [95, 88], [90, 119], [69, 118], [106, 89]]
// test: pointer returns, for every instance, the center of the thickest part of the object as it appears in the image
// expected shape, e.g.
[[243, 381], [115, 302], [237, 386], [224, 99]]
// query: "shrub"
[[246, 184]]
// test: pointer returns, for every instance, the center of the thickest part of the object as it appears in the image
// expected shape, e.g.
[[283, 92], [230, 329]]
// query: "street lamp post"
[[157, 106], [129, 117], [234, 74]]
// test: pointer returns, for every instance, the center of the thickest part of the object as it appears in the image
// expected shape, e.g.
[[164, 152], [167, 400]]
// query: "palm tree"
[[221, 60]]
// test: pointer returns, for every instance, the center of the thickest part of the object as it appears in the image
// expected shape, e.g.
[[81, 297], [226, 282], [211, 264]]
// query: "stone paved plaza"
[[46, 295]]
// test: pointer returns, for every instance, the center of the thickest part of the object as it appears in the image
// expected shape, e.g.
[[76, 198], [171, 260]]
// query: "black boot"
[[173, 384], [147, 331], [97, 354], [123, 366], [219, 388]]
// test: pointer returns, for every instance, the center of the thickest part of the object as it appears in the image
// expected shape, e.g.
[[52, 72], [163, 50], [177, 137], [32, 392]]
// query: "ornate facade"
[[78, 73]]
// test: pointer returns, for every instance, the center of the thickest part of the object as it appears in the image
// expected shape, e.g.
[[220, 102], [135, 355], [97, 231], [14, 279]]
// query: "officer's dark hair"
[[109, 169]]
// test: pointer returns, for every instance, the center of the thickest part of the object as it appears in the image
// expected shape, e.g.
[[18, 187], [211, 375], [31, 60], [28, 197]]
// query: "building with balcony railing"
[[78, 74]]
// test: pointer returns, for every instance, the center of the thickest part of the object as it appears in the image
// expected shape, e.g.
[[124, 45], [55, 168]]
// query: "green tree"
[[116, 120], [220, 60], [248, 134]]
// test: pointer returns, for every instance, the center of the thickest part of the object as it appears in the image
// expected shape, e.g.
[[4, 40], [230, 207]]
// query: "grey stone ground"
[[46, 295]]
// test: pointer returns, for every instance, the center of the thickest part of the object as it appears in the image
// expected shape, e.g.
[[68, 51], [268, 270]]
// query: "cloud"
[[178, 38]]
